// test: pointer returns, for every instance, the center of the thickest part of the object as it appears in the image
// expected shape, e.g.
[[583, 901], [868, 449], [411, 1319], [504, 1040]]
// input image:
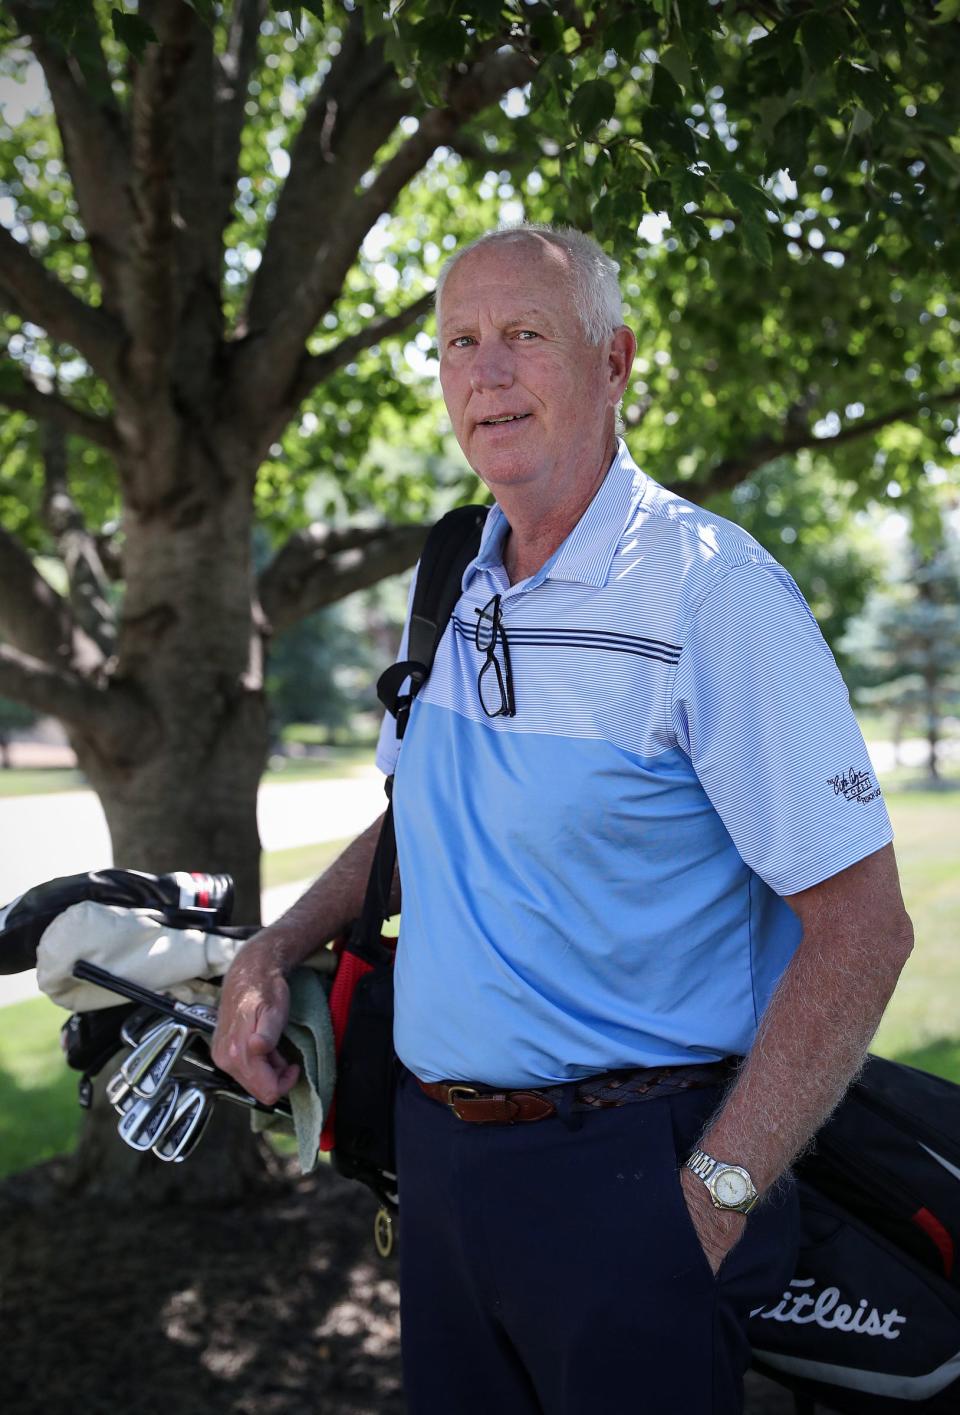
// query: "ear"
[[621, 352]]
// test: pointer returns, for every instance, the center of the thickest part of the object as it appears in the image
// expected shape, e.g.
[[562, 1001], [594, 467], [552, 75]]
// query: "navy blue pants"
[[552, 1268]]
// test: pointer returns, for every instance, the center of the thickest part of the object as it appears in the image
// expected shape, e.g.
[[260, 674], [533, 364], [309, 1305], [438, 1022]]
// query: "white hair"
[[596, 288]]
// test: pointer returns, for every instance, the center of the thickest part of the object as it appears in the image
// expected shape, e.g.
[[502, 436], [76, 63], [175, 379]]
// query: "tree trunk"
[[190, 646], [933, 729]]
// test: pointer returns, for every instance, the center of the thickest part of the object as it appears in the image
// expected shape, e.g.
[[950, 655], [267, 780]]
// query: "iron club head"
[[186, 1125], [138, 1069], [148, 1117]]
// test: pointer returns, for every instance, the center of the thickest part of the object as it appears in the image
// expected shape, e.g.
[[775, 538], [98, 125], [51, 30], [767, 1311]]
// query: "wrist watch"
[[729, 1185]]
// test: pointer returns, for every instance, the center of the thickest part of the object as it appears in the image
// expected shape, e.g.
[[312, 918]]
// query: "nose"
[[491, 366]]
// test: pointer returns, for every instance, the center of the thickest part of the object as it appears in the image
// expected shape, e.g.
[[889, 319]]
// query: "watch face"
[[730, 1187]]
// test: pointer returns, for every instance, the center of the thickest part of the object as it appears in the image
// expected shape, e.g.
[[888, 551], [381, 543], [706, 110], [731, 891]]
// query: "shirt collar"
[[587, 553]]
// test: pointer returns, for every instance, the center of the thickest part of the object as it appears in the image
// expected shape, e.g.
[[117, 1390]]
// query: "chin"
[[506, 471]]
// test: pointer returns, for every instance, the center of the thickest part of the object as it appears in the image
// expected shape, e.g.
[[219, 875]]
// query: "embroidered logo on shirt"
[[854, 785]]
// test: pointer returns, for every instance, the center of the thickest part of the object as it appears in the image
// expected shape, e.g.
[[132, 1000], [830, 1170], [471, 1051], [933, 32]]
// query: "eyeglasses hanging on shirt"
[[494, 683]]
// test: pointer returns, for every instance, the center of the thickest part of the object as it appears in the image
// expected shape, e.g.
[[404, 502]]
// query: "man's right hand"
[[254, 1006]]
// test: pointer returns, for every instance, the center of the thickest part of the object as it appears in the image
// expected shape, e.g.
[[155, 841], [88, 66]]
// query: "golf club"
[[186, 1125], [138, 1063], [148, 1117]]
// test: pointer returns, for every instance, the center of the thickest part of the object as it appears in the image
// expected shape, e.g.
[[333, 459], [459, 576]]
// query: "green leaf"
[[602, 218], [687, 186], [440, 39], [676, 61], [824, 38], [745, 196], [547, 30], [947, 12], [592, 104], [689, 229], [556, 71], [659, 195], [755, 238], [624, 33], [313, 7], [132, 32], [790, 139], [207, 11], [662, 129], [862, 120], [866, 87], [666, 92]]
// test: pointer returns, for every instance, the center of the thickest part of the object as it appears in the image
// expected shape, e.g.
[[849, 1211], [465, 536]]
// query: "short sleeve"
[[388, 747], [760, 708]]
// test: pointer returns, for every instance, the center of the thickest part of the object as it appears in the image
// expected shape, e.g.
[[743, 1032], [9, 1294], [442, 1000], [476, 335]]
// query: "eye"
[[526, 335], [461, 341]]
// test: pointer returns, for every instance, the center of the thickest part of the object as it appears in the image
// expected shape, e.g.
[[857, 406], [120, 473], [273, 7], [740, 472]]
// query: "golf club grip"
[[92, 973]]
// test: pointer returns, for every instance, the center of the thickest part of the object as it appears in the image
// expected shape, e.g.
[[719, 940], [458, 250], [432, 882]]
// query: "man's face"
[[529, 399]]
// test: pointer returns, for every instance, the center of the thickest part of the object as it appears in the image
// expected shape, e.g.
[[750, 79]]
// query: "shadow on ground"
[[278, 1307]]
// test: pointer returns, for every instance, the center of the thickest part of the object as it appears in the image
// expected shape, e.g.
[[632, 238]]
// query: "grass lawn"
[[922, 1022], [301, 862], [39, 781], [39, 1115], [336, 762]]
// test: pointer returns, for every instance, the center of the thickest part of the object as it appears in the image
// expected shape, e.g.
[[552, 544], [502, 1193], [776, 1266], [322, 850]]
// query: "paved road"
[[65, 832]]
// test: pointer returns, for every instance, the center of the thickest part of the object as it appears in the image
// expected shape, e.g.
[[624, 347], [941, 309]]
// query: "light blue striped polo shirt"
[[595, 882]]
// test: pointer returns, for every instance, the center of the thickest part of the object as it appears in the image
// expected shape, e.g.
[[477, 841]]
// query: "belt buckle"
[[460, 1093]]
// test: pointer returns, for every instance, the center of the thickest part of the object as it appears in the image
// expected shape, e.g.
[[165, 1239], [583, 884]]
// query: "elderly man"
[[638, 837]]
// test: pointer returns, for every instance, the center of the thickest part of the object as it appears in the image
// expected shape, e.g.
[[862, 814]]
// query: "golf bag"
[[871, 1320], [359, 1129], [165, 1089], [182, 899]]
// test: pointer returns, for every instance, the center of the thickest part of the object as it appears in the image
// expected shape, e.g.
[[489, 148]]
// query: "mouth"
[[503, 420]]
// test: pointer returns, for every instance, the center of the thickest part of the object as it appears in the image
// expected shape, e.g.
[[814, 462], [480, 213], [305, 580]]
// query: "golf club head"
[[137, 1065], [119, 1093], [138, 1024], [148, 1117], [161, 1067], [186, 1125]]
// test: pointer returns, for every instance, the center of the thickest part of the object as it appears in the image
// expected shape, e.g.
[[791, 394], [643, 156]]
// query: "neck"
[[536, 530]]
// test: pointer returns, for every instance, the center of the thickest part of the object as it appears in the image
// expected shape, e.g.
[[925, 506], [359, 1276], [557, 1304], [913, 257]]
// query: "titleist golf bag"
[[871, 1320]]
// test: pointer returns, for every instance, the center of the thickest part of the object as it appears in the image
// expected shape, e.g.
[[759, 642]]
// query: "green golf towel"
[[309, 1030]]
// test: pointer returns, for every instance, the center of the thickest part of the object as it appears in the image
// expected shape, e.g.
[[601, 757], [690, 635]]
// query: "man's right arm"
[[255, 1000]]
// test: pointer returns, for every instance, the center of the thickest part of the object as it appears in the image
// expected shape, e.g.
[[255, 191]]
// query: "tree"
[[909, 644], [13, 717], [209, 243]]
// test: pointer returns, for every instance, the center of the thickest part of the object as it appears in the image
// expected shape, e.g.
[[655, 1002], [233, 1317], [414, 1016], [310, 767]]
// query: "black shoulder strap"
[[449, 548], [451, 545]]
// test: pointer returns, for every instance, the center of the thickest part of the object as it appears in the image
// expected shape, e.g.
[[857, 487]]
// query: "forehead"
[[524, 276]]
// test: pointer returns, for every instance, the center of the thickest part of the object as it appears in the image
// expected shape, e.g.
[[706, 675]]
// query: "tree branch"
[[232, 80], [35, 619], [30, 288], [318, 566], [729, 472], [266, 365], [154, 309], [349, 120], [94, 146], [19, 393], [316, 368], [75, 545], [106, 714]]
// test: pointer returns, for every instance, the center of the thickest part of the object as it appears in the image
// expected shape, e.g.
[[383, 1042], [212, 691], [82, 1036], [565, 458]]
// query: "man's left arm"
[[813, 1036]]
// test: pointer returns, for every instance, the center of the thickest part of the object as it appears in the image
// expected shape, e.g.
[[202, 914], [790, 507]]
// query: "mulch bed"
[[276, 1307]]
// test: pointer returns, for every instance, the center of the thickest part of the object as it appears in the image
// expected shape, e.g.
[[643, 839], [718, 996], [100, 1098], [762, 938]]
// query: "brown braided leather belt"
[[483, 1105]]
